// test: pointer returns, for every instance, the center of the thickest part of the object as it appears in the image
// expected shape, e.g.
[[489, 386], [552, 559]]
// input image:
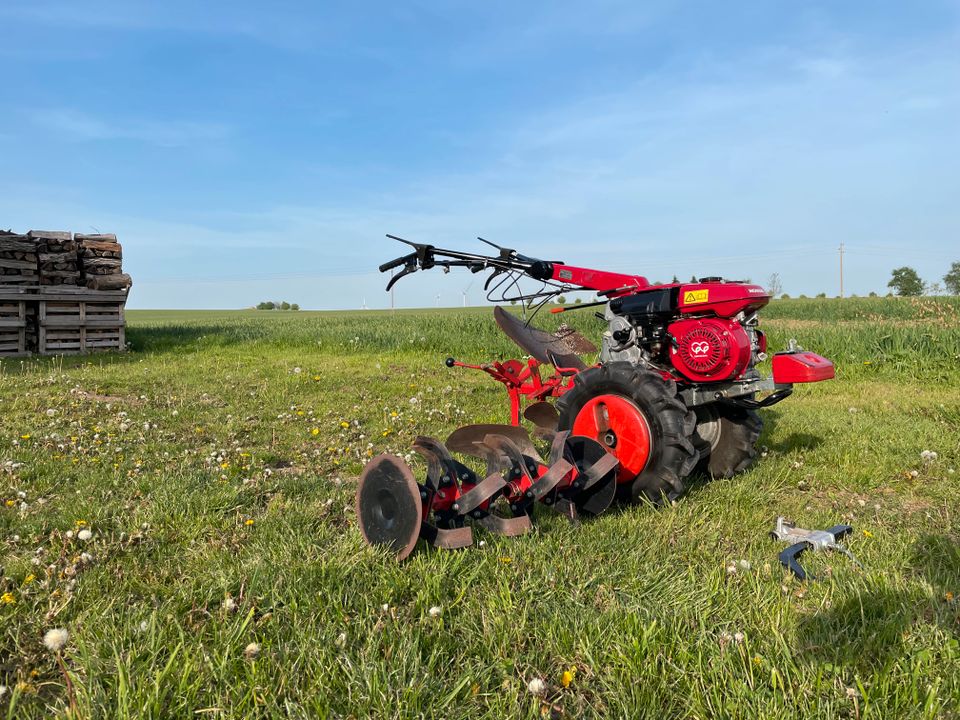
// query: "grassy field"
[[213, 468]]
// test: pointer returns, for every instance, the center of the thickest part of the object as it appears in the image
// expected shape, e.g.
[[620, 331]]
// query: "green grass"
[[168, 452]]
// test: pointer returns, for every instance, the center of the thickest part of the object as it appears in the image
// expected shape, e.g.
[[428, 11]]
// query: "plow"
[[674, 391]]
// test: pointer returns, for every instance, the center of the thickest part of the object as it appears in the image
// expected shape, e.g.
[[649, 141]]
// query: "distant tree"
[[561, 300], [774, 285], [577, 301], [906, 282], [693, 278], [294, 306], [284, 305], [802, 296], [821, 295], [933, 289], [872, 294], [952, 279], [785, 296], [675, 280], [266, 306]]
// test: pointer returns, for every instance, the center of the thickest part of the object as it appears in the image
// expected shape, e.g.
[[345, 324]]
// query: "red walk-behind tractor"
[[675, 393]]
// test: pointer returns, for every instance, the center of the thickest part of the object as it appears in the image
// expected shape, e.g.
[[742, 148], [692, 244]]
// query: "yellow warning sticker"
[[692, 297]]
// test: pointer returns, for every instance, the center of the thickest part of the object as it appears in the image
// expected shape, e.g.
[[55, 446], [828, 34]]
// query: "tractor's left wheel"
[[726, 438]]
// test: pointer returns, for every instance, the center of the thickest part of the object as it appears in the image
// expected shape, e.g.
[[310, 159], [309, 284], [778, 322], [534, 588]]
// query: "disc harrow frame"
[[578, 478]]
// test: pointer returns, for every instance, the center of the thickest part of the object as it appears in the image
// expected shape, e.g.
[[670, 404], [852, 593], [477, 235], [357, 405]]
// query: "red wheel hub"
[[621, 427]]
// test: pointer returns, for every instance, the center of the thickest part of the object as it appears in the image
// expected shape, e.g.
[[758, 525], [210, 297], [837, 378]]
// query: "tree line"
[[271, 305]]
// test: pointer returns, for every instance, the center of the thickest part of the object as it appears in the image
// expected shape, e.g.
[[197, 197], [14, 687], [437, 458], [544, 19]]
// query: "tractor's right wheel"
[[726, 438], [637, 416]]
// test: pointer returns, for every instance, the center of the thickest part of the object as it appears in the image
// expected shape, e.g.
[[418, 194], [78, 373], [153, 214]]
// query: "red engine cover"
[[709, 349]]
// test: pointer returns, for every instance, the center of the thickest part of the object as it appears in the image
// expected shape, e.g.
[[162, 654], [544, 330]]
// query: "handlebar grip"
[[398, 262]]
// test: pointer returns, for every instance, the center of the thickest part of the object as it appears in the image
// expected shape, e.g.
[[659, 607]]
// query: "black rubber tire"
[[672, 457], [736, 446]]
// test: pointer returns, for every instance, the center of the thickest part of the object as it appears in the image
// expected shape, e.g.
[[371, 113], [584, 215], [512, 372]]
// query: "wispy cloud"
[[72, 124]]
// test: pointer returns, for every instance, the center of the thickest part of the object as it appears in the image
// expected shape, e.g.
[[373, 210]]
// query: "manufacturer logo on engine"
[[701, 347], [692, 297]]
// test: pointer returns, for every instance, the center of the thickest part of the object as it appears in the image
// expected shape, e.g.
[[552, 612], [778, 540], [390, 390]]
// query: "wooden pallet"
[[77, 325], [13, 328]]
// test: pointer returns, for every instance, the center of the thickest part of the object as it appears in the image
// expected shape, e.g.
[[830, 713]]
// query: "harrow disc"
[[599, 469], [388, 505]]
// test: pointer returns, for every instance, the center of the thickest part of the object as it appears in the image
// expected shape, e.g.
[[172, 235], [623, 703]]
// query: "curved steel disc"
[[463, 440], [585, 453], [388, 505], [543, 414]]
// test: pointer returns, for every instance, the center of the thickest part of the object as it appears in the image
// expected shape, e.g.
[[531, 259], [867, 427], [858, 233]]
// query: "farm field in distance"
[[214, 466]]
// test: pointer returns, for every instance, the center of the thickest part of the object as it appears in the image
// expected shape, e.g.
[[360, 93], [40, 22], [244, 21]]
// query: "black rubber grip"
[[398, 262]]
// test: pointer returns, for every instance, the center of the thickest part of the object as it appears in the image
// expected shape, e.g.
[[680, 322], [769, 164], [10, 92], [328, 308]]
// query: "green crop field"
[[185, 512]]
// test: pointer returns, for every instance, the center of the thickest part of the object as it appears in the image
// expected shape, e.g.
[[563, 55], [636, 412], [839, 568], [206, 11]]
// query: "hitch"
[[802, 539]]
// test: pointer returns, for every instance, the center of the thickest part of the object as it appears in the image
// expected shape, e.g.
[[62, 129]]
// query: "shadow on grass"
[[866, 631]]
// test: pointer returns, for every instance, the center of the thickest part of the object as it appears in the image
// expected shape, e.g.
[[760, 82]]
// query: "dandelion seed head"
[[537, 686], [84, 535], [436, 611], [55, 639], [251, 651]]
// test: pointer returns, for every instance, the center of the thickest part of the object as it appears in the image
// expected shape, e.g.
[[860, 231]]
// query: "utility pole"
[[841, 269]]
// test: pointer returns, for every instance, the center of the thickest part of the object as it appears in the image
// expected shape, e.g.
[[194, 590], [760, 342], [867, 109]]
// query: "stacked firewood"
[[57, 255], [101, 262], [18, 259]]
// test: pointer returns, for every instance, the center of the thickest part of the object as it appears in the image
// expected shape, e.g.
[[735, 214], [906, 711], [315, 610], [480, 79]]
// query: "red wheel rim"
[[621, 427]]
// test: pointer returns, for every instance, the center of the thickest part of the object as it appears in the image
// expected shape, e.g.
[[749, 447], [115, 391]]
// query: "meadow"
[[185, 512]]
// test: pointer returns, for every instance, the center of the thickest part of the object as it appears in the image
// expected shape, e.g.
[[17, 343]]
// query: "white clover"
[[739, 637], [55, 639], [69, 534], [435, 612], [385, 607], [744, 564], [297, 371], [537, 686], [51, 412], [84, 534]]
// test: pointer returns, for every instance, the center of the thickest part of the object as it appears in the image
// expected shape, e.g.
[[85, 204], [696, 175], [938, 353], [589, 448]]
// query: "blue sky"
[[245, 150]]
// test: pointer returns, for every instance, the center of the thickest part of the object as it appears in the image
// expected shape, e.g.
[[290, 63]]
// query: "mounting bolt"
[[423, 494], [513, 506], [529, 493], [548, 501], [456, 506]]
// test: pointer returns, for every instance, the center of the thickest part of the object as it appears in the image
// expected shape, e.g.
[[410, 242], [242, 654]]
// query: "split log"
[[109, 282]]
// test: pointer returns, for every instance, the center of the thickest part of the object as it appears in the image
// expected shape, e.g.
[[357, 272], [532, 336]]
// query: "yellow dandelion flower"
[[25, 436], [300, 413], [394, 414], [948, 596], [244, 455], [385, 433], [506, 560], [8, 599], [315, 431], [757, 660], [867, 533], [344, 424], [10, 503], [80, 523], [29, 579], [248, 522], [567, 677], [317, 378], [224, 465]]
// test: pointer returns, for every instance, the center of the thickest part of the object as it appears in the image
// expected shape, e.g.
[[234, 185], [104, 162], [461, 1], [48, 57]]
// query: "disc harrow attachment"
[[578, 478]]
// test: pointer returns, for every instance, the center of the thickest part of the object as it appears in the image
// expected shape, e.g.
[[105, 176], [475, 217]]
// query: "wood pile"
[[57, 256], [61, 293], [101, 262], [18, 259]]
